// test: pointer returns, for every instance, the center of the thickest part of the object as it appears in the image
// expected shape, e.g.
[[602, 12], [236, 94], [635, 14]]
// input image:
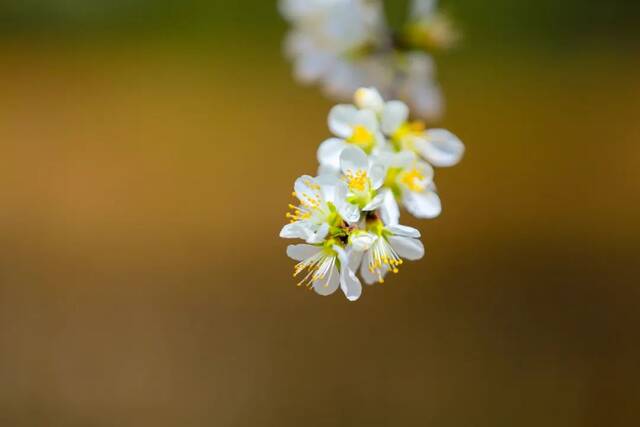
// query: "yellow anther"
[[361, 135], [357, 181]]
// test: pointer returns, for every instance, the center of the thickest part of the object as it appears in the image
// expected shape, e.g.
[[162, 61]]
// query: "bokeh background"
[[147, 155]]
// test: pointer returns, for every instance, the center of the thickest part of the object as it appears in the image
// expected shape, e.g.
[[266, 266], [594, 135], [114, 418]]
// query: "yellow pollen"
[[312, 184], [413, 180], [407, 129], [361, 136], [357, 181], [298, 213]]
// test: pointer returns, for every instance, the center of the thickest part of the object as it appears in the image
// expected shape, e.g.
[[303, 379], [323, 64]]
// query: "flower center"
[[362, 137], [401, 138], [358, 182], [413, 179]]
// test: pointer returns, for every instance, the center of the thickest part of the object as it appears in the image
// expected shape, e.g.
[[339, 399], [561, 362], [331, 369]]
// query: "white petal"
[[403, 159], [302, 251], [326, 170], [369, 277], [406, 247], [328, 284], [342, 254], [375, 203], [377, 174], [355, 258], [296, 43], [362, 241], [350, 284], [349, 212], [328, 186], [420, 67], [341, 120], [303, 189], [403, 230], [343, 79], [428, 102], [427, 172], [425, 205], [394, 114], [383, 157], [327, 180], [369, 98], [295, 10], [329, 152], [348, 281], [296, 230], [352, 160], [381, 141], [341, 189], [368, 119], [389, 211], [320, 234], [443, 148], [312, 65]]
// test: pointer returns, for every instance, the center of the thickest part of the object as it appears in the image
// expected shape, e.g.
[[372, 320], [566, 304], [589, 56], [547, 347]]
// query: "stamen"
[[382, 254], [317, 266], [358, 181]]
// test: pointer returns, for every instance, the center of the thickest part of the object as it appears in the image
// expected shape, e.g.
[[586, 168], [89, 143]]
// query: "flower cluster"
[[348, 215], [346, 44]]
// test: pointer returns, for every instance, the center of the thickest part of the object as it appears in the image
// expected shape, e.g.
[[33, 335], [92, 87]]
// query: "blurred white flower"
[[345, 44], [428, 28], [419, 86]]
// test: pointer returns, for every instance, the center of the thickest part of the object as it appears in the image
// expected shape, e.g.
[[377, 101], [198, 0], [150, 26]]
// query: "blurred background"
[[148, 154]]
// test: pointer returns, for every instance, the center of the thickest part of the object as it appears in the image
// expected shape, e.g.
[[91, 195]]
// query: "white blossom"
[[385, 248], [324, 268], [408, 180], [351, 127], [439, 147], [345, 44], [428, 28], [363, 178], [322, 207], [378, 161]]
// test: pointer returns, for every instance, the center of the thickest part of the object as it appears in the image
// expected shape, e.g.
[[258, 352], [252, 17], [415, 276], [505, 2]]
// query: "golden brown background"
[[148, 154]]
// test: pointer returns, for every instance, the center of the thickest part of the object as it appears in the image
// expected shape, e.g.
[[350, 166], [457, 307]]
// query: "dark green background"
[[502, 22]]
